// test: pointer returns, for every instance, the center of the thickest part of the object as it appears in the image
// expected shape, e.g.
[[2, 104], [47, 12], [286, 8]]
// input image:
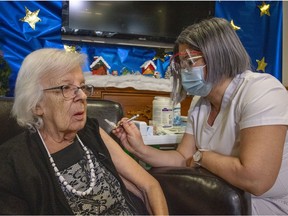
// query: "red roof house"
[[99, 66], [148, 68]]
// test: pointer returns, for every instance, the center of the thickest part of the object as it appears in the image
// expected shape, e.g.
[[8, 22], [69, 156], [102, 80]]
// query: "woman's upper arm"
[[261, 150], [131, 171], [256, 167], [125, 165]]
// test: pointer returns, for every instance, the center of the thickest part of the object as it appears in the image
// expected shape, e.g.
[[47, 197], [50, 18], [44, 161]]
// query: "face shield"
[[184, 60]]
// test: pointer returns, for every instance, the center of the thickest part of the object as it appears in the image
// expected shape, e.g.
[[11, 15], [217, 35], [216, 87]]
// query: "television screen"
[[146, 20]]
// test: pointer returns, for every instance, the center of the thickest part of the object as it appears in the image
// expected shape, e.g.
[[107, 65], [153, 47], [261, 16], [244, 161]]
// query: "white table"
[[162, 139]]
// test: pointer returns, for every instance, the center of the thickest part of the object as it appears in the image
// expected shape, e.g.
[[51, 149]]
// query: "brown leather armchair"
[[198, 191], [187, 190]]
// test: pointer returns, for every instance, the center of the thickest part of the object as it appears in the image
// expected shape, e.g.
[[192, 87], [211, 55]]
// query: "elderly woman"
[[238, 128], [65, 163]]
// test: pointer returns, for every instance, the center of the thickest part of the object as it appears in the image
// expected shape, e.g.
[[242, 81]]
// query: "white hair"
[[28, 89]]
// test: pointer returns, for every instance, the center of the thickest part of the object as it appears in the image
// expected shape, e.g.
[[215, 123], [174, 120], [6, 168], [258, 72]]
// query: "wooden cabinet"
[[136, 101]]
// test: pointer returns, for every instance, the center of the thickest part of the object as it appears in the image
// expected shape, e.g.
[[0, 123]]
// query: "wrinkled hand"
[[129, 136]]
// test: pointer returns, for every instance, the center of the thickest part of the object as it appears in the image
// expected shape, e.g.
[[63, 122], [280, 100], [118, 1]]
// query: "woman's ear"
[[38, 110]]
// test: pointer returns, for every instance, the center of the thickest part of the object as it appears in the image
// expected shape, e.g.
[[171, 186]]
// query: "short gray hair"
[[28, 90], [224, 54]]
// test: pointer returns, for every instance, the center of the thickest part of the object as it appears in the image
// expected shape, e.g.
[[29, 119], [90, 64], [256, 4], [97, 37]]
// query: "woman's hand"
[[130, 136]]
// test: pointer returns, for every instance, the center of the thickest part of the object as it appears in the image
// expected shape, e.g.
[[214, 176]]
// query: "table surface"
[[162, 139]]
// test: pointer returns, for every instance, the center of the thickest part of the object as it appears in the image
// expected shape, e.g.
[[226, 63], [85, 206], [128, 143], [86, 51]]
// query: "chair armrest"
[[198, 191]]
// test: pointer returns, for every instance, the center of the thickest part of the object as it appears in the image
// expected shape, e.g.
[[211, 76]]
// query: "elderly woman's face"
[[59, 113]]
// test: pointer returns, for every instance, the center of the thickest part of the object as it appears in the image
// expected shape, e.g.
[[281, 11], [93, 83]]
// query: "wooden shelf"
[[136, 101]]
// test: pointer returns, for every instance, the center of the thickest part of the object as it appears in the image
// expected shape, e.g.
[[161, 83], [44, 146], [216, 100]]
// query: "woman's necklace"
[[62, 179]]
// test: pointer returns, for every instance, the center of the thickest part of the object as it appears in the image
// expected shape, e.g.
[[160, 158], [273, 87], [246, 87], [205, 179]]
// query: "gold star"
[[261, 64], [160, 54], [234, 26], [71, 49], [31, 17], [264, 9]]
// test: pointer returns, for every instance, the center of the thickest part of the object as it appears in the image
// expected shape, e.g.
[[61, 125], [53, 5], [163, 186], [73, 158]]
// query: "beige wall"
[[285, 44]]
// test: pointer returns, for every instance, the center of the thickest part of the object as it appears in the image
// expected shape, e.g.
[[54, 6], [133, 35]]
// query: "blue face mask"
[[193, 81]]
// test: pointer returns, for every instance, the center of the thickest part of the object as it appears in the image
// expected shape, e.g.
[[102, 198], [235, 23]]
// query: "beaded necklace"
[[62, 179]]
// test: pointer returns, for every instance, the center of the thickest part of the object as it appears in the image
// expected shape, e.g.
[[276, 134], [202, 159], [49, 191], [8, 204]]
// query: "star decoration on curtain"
[[234, 26], [31, 17], [160, 54], [71, 49], [261, 64], [264, 9]]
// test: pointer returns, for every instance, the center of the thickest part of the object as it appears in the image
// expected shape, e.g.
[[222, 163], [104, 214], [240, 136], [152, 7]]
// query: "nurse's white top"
[[251, 99]]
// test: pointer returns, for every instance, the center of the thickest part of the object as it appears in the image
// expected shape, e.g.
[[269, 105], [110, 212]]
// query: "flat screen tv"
[[141, 20]]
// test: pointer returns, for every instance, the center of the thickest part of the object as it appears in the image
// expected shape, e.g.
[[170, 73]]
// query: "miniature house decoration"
[[148, 68], [99, 66]]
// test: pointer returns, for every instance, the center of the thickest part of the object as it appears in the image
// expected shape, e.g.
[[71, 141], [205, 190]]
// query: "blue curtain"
[[260, 33]]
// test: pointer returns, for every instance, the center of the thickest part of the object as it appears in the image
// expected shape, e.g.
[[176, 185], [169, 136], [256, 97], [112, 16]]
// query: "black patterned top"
[[106, 197]]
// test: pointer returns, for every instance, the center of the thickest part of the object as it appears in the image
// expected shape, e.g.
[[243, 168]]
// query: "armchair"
[[198, 191]]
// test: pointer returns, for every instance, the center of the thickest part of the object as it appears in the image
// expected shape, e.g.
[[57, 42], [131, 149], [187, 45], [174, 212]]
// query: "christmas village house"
[[99, 66], [148, 68]]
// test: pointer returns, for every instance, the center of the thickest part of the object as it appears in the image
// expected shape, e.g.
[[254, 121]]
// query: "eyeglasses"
[[70, 91], [186, 61]]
